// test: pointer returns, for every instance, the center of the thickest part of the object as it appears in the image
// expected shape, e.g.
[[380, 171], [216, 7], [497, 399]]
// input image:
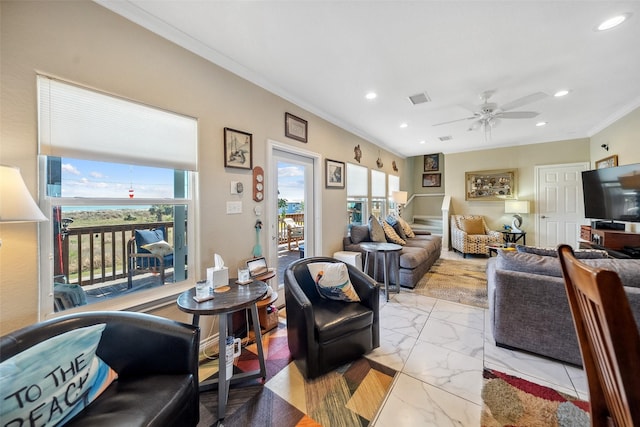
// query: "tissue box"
[[218, 277]]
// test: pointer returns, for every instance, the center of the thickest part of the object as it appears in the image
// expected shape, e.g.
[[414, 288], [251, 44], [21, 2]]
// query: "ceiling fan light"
[[613, 22]]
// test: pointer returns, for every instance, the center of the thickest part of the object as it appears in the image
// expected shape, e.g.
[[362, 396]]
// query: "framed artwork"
[[238, 149], [607, 162], [431, 179], [335, 174], [431, 162], [492, 185], [295, 127]]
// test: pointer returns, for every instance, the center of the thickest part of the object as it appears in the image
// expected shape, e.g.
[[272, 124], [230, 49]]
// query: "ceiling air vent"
[[419, 98], [445, 138]]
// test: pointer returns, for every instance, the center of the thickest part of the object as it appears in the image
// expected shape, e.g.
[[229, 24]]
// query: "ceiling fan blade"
[[453, 121], [517, 114], [537, 96]]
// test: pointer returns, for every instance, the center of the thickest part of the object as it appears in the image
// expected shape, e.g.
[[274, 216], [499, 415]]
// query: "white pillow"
[[161, 248], [332, 281]]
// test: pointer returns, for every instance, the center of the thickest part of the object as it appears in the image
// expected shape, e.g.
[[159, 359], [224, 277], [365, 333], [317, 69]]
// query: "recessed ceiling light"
[[371, 95], [539, 124], [403, 125], [560, 93], [423, 142], [613, 22]]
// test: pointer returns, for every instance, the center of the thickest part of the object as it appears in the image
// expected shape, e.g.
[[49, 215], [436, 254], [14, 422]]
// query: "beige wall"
[[84, 43], [623, 138], [523, 159]]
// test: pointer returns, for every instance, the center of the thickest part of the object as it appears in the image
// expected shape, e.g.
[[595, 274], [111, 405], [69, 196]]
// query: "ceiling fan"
[[488, 114]]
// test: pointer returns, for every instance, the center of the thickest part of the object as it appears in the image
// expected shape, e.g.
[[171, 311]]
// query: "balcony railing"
[[98, 254]]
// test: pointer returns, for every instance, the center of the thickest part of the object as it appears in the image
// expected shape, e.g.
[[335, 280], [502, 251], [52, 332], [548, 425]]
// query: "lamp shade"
[[399, 197], [16, 203], [516, 206]]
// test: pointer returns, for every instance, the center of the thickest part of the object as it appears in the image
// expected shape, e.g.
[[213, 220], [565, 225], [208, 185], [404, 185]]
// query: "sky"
[[84, 178]]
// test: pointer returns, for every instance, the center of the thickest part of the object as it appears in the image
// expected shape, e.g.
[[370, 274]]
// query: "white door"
[[284, 160], [559, 204]]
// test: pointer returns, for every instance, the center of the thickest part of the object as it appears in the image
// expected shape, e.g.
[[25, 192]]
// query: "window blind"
[[80, 123], [378, 184], [394, 184], [356, 180]]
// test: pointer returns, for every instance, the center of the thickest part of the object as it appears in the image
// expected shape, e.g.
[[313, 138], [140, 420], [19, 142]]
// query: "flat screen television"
[[612, 193]]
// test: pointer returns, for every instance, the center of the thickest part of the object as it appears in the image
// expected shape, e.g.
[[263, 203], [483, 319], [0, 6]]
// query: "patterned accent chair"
[[471, 235]]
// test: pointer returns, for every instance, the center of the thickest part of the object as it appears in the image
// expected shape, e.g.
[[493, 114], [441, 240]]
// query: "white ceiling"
[[326, 55]]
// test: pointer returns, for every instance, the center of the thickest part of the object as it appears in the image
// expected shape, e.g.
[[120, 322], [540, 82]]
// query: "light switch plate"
[[234, 207]]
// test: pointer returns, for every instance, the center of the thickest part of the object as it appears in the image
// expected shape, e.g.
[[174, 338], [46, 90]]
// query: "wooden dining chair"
[[609, 340]]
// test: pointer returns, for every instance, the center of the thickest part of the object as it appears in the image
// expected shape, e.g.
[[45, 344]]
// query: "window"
[[394, 185], [378, 194], [110, 167], [357, 190]]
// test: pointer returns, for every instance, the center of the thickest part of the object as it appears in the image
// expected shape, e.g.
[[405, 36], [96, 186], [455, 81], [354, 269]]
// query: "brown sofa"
[[416, 257]]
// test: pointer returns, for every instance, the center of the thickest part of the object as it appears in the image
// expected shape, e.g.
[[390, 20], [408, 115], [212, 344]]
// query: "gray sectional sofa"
[[416, 257], [528, 305]]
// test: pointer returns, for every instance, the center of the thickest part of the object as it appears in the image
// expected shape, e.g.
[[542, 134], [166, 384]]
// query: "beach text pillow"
[[54, 380], [332, 281]]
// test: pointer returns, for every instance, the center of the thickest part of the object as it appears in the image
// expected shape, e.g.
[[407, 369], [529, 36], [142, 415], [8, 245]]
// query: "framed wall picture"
[[238, 149], [295, 127], [492, 185], [335, 174], [431, 179], [431, 162], [607, 162]]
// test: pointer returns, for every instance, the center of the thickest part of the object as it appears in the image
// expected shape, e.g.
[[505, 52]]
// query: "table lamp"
[[16, 203], [400, 197], [516, 207]]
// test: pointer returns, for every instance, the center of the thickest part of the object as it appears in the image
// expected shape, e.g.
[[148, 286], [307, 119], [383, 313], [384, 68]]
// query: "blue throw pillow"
[[54, 380], [392, 220]]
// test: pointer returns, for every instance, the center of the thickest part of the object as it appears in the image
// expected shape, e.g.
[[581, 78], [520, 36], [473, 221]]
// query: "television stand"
[[618, 244]]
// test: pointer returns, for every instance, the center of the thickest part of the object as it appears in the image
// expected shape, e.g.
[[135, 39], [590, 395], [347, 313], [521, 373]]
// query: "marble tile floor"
[[440, 349]]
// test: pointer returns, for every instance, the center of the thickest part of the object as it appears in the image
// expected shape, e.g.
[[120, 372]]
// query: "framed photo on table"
[[238, 149], [295, 127], [335, 173]]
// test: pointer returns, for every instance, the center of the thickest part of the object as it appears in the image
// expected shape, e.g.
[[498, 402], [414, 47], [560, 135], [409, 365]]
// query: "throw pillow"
[[391, 234], [359, 233], [376, 232], [472, 225], [392, 220], [579, 254], [406, 227], [398, 227], [160, 248], [54, 380], [332, 281]]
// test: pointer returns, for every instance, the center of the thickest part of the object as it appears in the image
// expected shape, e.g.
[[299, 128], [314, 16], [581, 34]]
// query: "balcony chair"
[[148, 250], [326, 333], [609, 340], [471, 235], [67, 295], [295, 232]]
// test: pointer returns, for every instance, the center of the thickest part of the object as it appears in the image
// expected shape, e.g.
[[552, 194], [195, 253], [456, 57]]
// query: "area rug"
[[457, 281], [512, 401], [348, 396]]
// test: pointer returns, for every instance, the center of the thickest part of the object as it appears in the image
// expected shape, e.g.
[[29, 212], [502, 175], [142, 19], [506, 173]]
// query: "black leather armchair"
[[324, 334], [156, 360]]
